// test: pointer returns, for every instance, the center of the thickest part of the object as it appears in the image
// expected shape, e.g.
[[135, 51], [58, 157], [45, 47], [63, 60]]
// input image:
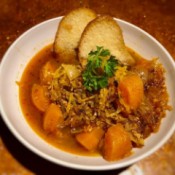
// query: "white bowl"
[[32, 41]]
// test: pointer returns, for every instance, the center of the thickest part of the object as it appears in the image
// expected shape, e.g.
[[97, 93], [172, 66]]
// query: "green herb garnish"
[[101, 65]]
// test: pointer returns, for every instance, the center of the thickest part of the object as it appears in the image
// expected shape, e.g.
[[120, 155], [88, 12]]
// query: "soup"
[[68, 113]]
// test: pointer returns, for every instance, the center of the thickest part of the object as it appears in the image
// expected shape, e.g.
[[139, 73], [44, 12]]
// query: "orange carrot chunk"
[[46, 73], [90, 140], [117, 143], [39, 98], [52, 118], [131, 90]]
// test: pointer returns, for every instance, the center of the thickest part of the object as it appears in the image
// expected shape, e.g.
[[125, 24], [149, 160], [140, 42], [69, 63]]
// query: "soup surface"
[[60, 107]]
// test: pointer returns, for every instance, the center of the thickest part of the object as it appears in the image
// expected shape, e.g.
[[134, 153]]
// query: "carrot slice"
[[131, 90], [52, 118], [117, 143], [90, 140], [39, 98]]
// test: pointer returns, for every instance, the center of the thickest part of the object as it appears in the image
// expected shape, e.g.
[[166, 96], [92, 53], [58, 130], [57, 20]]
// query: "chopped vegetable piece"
[[117, 143], [39, 98], [52, 118], [72, 71], [120, 73], [46, 73], [90, 140], [131, 91]]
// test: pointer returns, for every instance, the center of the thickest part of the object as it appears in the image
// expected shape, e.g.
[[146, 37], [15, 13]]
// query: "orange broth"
[[64, 141]]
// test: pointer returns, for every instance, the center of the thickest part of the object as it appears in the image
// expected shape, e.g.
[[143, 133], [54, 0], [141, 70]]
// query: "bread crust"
[[103, 31], [69, 33]]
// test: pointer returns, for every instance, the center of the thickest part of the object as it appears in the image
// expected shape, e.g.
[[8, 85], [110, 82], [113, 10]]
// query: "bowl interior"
[[32, 41]]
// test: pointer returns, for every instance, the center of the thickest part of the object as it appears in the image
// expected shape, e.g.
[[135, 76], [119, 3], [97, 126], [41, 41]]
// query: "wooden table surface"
[[157, 17]]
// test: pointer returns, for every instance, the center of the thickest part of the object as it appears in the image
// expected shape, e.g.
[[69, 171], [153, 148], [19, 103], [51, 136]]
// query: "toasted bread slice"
[[103, 31], [69, 33]]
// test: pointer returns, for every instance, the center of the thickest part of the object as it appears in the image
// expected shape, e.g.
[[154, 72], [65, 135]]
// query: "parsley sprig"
[[101, 65]]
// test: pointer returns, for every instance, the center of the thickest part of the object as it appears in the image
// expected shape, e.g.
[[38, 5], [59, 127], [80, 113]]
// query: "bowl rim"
[[73, 165]]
